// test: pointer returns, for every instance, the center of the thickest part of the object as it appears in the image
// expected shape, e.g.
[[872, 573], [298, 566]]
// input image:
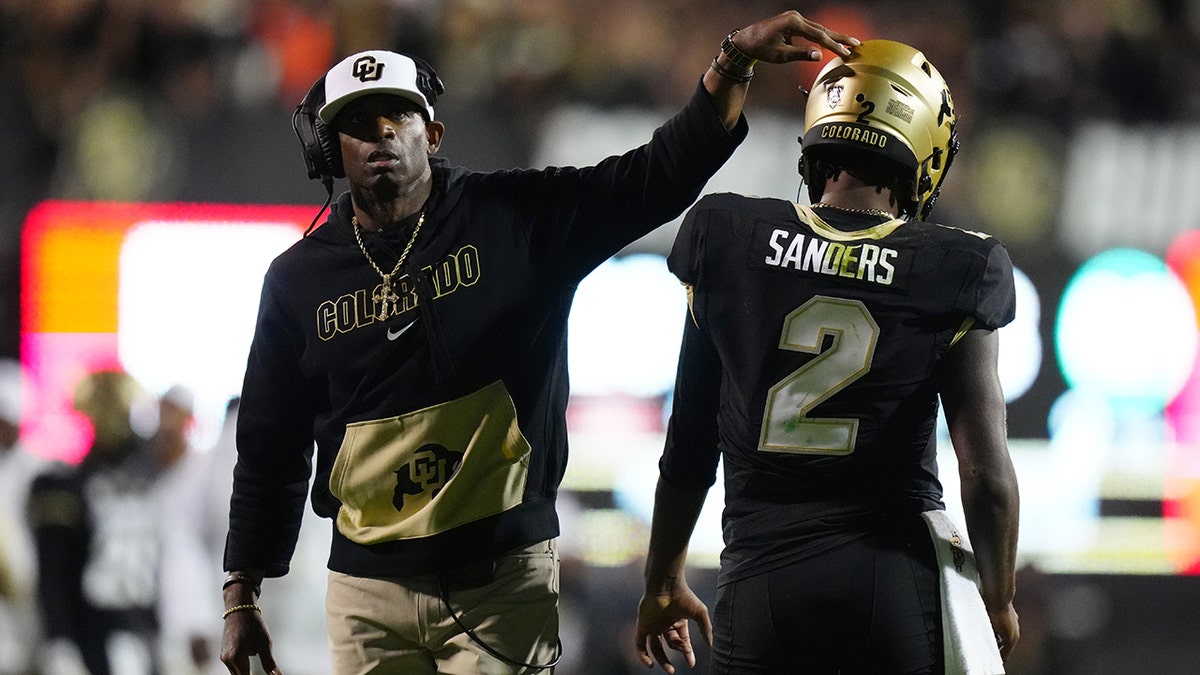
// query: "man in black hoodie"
[[418, 337]]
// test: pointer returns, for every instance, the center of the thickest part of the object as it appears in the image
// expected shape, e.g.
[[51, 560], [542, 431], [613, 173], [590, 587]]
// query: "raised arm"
[[782, 38], [975, 414]]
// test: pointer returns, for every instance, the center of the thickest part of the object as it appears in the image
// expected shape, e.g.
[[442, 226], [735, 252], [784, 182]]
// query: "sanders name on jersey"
[[865, 262]]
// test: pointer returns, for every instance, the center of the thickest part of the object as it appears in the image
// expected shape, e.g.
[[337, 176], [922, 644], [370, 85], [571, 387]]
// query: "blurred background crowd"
[[190, 100]]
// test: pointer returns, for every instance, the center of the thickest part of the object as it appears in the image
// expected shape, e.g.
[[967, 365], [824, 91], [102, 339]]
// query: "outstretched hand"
[[783, 38], [663, 620], [774, 40]]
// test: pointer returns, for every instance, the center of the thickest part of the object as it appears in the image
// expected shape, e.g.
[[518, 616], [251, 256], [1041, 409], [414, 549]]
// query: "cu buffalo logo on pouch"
[[432, 466], [367, 69]]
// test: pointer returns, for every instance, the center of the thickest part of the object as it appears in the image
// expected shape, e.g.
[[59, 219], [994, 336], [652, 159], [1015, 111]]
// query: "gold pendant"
[[386, 301]]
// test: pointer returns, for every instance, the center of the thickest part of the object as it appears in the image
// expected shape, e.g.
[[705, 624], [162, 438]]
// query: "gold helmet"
[[888, 100], [107, 397]]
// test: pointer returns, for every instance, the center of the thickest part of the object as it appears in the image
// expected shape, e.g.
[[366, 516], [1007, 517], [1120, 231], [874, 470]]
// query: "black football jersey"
[[808, 363]]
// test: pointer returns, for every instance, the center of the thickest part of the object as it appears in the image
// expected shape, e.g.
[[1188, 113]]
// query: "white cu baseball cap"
[[371, 72]]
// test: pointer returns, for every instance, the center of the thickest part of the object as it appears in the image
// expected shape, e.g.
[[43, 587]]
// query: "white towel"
[[967, 636]]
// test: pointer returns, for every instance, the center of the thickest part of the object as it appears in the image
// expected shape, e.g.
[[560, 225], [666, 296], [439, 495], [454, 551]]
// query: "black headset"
[[319, 143]]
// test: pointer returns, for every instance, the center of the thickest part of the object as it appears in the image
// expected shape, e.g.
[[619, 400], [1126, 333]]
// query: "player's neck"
[[848, 193], [853, 203]]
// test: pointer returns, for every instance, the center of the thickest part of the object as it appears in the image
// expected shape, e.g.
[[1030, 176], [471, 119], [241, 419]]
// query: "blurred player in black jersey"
[[96, 526], [820, 341]]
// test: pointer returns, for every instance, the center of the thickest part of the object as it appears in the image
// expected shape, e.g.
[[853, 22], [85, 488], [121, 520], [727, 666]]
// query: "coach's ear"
[[433, 135]]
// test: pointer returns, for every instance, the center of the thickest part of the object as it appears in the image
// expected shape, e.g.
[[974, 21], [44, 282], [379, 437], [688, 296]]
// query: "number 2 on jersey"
[[787, 426]]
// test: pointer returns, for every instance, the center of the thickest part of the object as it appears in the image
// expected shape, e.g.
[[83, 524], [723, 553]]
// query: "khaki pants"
[[402, 626]]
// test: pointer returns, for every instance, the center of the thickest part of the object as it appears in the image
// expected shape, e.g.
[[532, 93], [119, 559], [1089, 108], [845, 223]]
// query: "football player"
[[820, 341]]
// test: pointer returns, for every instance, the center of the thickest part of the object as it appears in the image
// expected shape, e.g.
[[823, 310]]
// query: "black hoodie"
[[440, 431]]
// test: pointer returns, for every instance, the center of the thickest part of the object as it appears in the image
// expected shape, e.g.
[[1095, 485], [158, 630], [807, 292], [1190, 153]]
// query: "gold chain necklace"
[[385, 298], [868, 212]]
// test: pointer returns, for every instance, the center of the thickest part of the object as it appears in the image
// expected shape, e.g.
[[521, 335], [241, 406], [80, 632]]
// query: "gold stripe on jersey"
[[691, 297], [431, 470], [967, 324], [827, 231]]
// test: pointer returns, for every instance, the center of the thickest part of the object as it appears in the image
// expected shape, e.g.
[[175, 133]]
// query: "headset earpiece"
[[322, 157], [427, 80]]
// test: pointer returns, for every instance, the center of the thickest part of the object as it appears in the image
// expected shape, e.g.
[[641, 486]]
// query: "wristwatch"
[[735, 55]]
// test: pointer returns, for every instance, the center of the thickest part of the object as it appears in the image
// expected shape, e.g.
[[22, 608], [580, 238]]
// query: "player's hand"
[[663, 619], [1007, 629], [246, 635], [790, 37]]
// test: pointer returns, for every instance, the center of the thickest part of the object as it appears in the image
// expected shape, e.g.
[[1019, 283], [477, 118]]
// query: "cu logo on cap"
[[367, 69]]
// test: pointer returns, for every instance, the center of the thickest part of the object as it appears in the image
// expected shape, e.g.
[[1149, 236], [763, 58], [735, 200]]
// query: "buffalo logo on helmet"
[[947, 109], [833, 96]]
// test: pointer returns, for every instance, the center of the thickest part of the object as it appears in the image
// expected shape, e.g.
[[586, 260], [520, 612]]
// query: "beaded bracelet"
[[729, 74], [241, 608]]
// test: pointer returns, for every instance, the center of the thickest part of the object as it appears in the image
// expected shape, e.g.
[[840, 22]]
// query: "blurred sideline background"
[[151, 173]]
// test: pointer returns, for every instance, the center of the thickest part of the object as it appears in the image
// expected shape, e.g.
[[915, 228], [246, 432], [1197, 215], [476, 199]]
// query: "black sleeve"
[[994, 300], [690, 457], [683, 260], [584, 216], [274, 444]]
